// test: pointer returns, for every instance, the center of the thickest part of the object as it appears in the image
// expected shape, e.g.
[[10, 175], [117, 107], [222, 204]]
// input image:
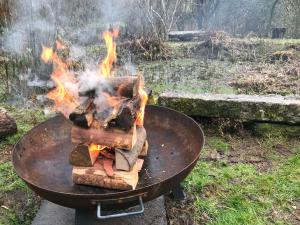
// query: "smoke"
[[90, 80]]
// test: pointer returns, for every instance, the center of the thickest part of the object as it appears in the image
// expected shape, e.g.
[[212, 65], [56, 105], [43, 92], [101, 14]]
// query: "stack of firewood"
[[109, 144]]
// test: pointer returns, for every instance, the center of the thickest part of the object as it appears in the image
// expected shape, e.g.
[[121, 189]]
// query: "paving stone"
[[51, 213]]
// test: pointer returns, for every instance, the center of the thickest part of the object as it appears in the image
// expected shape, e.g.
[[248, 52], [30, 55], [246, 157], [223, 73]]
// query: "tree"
[[161, 14]]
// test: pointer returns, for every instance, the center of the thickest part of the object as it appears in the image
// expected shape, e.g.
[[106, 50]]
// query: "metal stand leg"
[[177, 193]]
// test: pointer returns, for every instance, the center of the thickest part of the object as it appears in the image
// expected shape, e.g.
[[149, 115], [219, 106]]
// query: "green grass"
[[20, 203], [240, 194], [219, 144], [25, 119]]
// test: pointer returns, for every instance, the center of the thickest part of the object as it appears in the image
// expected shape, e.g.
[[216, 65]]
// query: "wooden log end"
[[82, 156]]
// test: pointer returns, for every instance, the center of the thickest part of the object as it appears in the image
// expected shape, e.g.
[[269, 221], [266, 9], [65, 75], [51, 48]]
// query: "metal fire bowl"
[[41, 157]]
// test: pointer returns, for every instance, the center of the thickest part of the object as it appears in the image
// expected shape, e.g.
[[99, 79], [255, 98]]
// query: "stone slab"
[[51, 213], [190, 35], [271, 108]]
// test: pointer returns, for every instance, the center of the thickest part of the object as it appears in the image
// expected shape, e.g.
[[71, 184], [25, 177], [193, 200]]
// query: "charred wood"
[[128, 113], [83, 114]]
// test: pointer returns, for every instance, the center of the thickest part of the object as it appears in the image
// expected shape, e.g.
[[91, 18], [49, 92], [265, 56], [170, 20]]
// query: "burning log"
[[128, 113], [111, 137], [7, 124], [83, 115], [107, 154], [96, 176], [125, 160], [82, 120], [83, 156]]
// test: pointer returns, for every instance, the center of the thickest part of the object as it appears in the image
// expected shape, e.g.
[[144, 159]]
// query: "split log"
[[125, 160], [82, 120], [106, 154], [83, 115], [8, 125], [108, 167], [111, 137], [128, 113], [144, 151], [140, 163], [82, 156], [96, 176]]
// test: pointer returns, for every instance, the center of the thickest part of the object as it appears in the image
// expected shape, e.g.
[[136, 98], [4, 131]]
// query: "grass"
[[227, 66], [252, 195], [18, 203], [219, 144], [239, 193]]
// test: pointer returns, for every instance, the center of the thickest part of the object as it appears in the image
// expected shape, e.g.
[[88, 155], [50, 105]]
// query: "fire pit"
[[92, 154], [40, 158]]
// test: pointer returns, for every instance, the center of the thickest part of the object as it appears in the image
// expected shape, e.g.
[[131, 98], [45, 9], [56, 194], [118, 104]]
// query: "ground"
[[226, 66], [18, 203], [240, 178]]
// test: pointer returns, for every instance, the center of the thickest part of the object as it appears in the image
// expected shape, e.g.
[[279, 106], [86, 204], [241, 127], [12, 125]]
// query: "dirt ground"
[[235, 163]]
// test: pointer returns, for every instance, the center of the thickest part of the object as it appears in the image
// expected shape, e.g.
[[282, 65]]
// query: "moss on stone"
[[276, 130]]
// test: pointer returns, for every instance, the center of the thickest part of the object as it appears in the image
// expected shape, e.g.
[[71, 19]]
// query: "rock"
[[8, 125], [271, 108]]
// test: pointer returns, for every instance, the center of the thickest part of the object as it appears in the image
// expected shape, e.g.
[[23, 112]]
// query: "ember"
[[108, 116]]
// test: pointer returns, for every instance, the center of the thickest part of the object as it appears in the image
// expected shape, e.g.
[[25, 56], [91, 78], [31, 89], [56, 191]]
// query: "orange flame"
[[144, 98], [59, 45], [111, 57], [94, 148], [94, 151], [47, 54], [65, 100]]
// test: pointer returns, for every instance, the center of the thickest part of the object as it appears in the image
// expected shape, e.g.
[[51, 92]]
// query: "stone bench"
[[268, 108]]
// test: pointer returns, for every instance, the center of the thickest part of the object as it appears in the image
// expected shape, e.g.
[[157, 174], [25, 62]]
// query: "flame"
[[111, 57], [94, 147], [144, 98], [59, 45], [94, 151], [47, 54], [65, 94]]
